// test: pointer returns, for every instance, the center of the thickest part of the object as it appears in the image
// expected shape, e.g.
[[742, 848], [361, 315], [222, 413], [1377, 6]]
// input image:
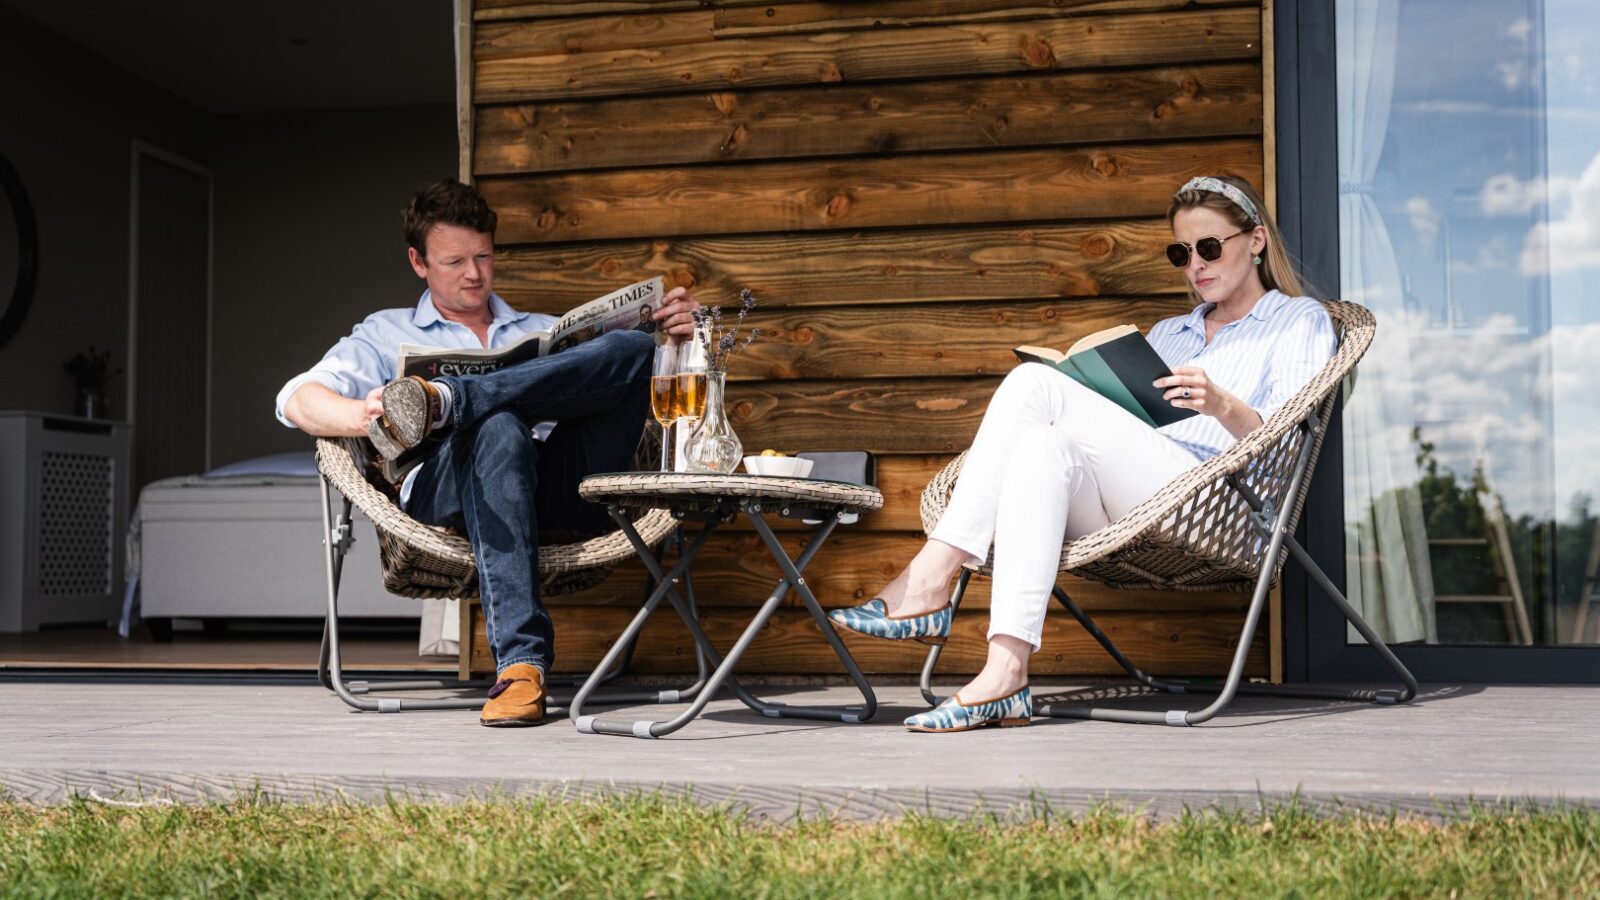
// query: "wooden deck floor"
[[144, 739]]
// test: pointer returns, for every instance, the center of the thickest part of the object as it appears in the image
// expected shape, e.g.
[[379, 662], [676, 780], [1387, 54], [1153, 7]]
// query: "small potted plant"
[[91, 373], [712, 446]]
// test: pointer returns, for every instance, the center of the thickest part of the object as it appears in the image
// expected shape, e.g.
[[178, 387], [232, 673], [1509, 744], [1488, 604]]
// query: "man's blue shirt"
[[367, 358]]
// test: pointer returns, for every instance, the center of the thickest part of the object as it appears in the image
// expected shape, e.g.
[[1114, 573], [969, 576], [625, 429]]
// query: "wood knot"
[[735, 139], [1098, 247], [830, 73], [1106, 166], [1189, 86], [801, 335], [548, 219], [735, 73], [838, 206], [610, 265], [941, 404], [725, 102], [875, 103], [1050, 313], [1037, 52], [566, 146], [743, 409]]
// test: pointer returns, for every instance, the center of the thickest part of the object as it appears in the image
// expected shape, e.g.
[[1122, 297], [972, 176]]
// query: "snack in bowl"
[[786, 466]]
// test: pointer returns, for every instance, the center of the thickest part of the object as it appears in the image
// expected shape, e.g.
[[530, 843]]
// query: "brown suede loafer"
[[410, 407], [517, 698]]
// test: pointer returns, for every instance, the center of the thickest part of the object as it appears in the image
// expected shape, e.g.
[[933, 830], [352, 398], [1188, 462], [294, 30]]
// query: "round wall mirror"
[[19, 251]]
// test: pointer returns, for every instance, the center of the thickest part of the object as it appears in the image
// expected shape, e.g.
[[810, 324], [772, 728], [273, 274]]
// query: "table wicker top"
[[663, 489]]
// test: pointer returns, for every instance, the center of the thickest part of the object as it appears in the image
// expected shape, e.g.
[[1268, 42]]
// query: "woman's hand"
[[676, 315], [1189, 387]]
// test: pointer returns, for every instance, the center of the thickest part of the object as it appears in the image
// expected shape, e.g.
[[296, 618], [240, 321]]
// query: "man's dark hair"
[[447, 202]]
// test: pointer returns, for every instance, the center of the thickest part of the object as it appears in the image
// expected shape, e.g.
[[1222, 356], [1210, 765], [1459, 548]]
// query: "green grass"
[[644, 847]]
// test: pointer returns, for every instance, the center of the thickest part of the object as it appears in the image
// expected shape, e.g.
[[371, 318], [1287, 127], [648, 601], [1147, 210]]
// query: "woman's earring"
[[1256, 260]]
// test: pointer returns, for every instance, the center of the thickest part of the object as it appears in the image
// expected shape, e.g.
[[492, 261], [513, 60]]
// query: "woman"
[[1052, 458]]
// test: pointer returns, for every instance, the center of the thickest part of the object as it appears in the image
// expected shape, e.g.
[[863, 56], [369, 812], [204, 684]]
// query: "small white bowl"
[[786, 466]]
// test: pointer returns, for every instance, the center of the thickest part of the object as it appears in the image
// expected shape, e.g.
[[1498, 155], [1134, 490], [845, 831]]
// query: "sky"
[[1489, 185]]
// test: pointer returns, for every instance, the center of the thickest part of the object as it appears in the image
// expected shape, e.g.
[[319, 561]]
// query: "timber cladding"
[[911, 188]]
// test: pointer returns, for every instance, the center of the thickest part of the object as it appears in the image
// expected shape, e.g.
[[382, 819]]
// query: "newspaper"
[[630, 308]]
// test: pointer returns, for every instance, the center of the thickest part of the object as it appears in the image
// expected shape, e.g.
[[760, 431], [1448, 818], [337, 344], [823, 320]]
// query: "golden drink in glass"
[[692, 394], [664, 399]]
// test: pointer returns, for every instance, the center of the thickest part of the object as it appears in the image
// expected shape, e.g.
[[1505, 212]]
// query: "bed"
[[243, 541]]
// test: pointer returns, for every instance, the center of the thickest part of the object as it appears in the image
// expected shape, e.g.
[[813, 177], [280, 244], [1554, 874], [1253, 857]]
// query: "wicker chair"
[[428, 562], [1223, 525]]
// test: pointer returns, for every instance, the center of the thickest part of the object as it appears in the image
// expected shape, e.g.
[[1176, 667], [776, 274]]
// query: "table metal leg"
[[792, 576], [723, 666], [664, 588]]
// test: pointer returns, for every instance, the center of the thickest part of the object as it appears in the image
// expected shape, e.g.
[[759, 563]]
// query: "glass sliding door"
[[1468, 135]]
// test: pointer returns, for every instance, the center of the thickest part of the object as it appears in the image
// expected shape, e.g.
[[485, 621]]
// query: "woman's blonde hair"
[[1276, 269]]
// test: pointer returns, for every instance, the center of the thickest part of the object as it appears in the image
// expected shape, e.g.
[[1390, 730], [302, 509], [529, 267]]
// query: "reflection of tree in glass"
[[1549, 555]]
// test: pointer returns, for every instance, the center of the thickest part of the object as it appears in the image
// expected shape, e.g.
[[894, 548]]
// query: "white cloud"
[[1511, 72], [1573, 241], [1507, 195], [1492, 254], [1424, 220], [1489, 395], [1479, 109]]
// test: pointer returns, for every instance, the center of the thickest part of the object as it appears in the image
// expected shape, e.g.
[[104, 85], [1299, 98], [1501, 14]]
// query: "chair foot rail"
[[1175, 717], [1370, 695], [432, 684]]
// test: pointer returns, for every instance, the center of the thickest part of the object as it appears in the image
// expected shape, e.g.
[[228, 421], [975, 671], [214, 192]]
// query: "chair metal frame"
[[337, 537]]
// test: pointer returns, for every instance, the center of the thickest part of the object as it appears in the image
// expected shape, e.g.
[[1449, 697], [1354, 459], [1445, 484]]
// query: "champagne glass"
[[664, 400], [692, 380]]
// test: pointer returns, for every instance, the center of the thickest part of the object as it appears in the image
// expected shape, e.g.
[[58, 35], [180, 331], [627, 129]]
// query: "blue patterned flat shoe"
[[953, 715], [873, 620]]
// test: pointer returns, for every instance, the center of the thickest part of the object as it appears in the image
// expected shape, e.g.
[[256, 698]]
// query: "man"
[[502, 453]]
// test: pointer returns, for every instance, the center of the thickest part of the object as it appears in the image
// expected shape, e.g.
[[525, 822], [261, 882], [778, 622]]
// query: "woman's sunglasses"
[[1209, 248]]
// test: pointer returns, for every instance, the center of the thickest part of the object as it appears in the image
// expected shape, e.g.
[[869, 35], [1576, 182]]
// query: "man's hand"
[[374, 406], [676, 315]]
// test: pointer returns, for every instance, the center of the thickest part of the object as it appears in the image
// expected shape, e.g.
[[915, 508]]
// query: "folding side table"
[[714, 500]]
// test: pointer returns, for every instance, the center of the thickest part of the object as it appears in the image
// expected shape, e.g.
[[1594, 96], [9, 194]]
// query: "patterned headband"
[[1218, 186]]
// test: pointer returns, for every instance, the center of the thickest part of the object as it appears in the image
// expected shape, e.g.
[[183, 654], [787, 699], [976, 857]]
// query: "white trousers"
[[1052, 461]]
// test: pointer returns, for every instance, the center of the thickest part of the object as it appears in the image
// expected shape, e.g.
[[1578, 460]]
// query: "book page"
[[1042, 354], [1089, 342]]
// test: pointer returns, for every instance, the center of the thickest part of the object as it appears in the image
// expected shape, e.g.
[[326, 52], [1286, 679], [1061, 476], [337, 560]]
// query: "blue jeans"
[[492, 479]]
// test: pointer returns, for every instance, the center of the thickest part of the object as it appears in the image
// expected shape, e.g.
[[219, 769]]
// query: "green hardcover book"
[[1118, 364]]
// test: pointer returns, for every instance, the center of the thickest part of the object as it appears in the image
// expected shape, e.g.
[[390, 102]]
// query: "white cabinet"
[[64, 488]]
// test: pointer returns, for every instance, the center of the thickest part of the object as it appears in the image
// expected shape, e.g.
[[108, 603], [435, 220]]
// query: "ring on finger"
[[1185, 393]]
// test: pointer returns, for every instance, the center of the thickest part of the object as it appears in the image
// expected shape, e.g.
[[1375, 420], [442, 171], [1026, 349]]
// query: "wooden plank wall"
[[911, 188]]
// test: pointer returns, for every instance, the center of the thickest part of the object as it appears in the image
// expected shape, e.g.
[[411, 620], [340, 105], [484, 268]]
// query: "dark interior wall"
[[306, 236], [67, 123], [308, 243]]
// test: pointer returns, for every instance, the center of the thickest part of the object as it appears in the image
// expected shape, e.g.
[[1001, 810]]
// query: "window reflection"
[[1469, 147]]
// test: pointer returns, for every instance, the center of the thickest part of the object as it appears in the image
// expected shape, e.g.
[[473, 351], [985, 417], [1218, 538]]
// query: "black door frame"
[[1314, 643]]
